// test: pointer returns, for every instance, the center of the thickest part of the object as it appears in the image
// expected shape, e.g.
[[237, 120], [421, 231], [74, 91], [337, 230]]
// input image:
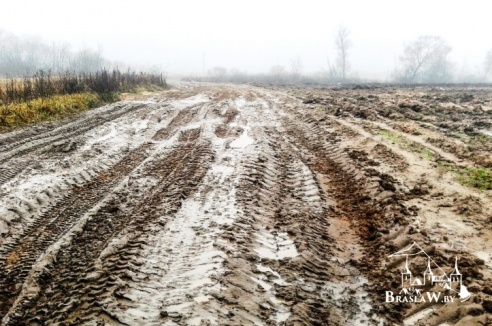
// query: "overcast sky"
[[255, 35]]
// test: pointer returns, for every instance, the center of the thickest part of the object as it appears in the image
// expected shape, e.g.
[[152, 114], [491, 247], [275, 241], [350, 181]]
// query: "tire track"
[[10, 171], [78, 261], [295, 264], [244, 210], [360, 197], [183, 117], [267, 261], [182, 262], [26, 145], [252, 281], [52, 174], [17, 152], [54, 221]]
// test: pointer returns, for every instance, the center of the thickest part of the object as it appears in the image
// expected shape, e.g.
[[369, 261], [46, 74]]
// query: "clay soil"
[[246, 205]]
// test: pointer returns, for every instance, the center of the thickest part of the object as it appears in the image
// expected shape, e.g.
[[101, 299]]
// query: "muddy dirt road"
[[242, 205]]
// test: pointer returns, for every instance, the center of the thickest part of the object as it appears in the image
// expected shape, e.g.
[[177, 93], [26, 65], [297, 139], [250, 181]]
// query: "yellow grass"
[[21, 114]]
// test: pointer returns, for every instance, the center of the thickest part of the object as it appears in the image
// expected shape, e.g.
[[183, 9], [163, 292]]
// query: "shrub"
[[45, 85]]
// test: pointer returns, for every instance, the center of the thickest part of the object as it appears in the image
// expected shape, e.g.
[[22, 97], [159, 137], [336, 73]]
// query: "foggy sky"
[[255, 35]]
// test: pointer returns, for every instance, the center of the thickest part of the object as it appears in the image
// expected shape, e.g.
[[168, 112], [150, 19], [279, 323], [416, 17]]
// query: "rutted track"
[[220, 205], [11, 147]]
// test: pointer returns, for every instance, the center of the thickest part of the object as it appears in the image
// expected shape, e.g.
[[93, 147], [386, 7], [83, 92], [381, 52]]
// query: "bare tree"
[[60, 57], [20, 57], [24, 56], [277, 73], [332, 70], [87, 60], [488, 64], [9, 55], [342, 45], [237, 75], [35, 55], [2, 40], [296, 67], [218, 73], [425, 60]]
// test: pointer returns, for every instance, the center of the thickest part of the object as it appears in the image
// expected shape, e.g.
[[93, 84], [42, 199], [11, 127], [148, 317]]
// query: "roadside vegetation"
[[41, 81], [480, 178], [405, 143], [44, 97]]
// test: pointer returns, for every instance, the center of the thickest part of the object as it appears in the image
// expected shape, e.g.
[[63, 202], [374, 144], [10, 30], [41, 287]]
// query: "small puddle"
[[281, 317], [242, 141]]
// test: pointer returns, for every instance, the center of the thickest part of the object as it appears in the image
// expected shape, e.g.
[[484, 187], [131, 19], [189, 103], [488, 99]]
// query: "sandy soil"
[[240, 205]]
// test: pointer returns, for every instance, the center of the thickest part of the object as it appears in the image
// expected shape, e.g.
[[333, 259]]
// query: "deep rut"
[[227, 205], [194, 226]]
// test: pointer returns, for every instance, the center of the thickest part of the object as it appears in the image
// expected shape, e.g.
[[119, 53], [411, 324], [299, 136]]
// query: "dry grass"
[[15, 115], [43, 97], [480, 178]]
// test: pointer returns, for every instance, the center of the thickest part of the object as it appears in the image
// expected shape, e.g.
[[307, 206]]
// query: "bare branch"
[[425, 60], [488, 64], [342, 44], [296, 67]]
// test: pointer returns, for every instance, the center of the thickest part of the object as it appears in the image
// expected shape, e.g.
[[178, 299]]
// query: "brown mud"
[[242, 205]]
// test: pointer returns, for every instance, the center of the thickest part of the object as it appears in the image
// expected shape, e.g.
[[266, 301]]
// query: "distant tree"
[[34, 55], [277, 73], [87, 60], [332, 70], [296, 67], [2, 40], [342, 45], [425, 60], [237, 75], [469, 73], [9, 54], [218, 73], [20, 57], [488, 64], [24, 56], [60, 57]]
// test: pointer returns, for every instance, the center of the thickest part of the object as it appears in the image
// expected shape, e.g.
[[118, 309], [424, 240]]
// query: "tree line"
[[31, 69], [24, 56], [423, 60]]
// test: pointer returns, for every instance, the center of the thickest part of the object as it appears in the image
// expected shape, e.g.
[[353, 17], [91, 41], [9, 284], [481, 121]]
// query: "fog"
[[190, 37]]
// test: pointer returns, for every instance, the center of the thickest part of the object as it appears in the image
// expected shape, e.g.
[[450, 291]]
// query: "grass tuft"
[[479, 178], [394, 138], [15, 115], [475, 177], [404, 143]]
